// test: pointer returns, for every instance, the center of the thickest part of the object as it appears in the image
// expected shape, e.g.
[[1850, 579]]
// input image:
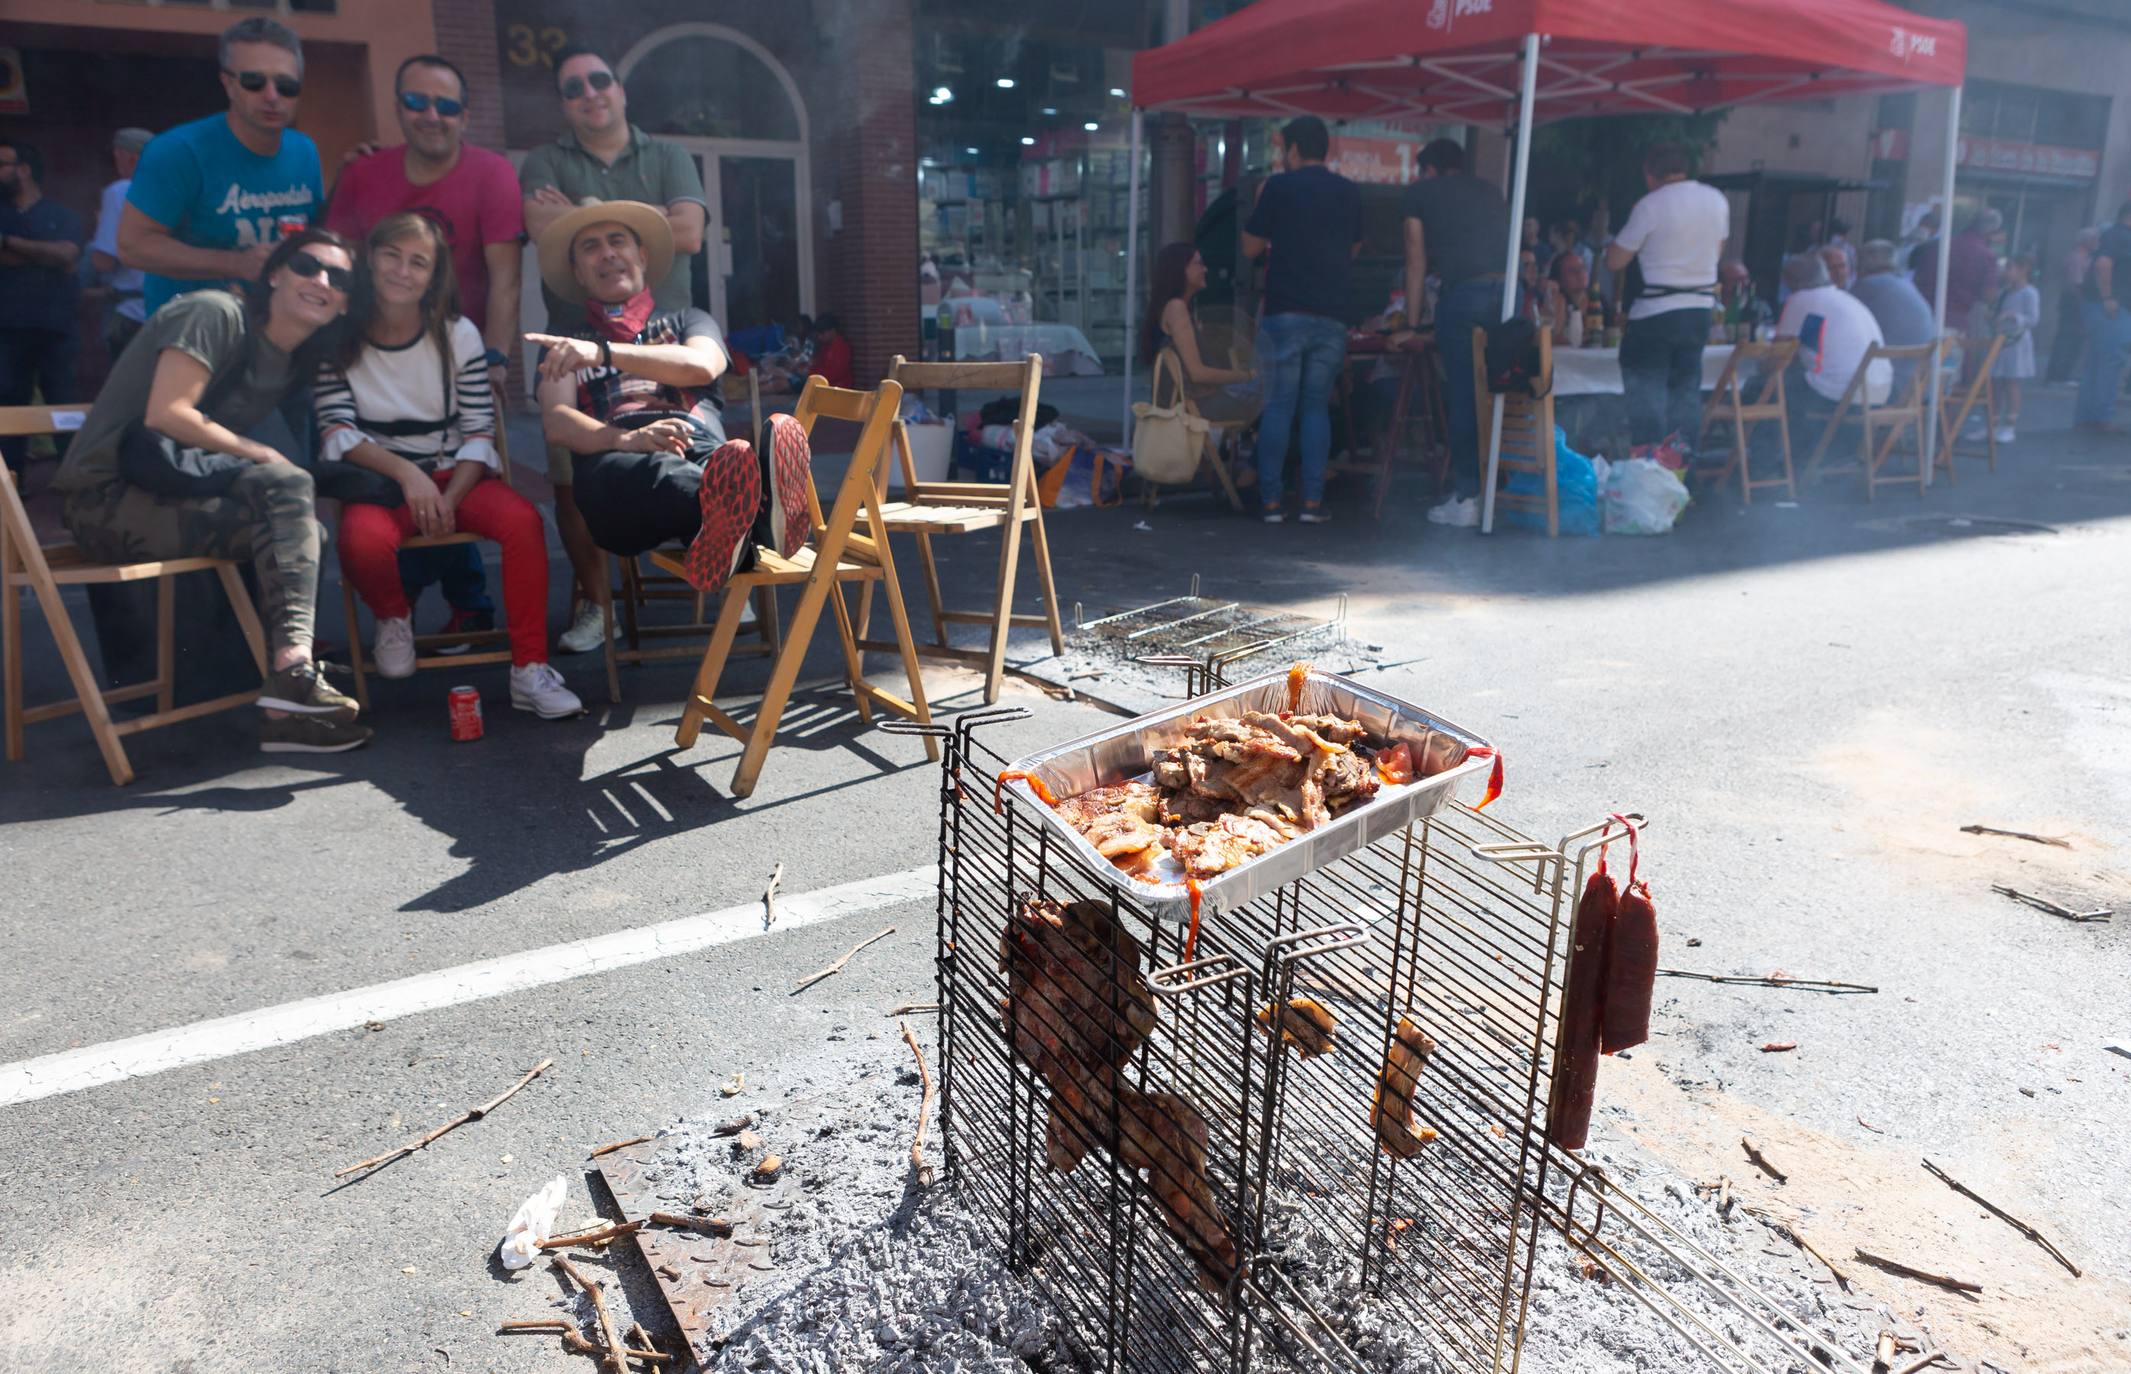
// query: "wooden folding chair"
[[1728, 402], [837, 552], [930, 509], [1527, 432], [475, 659], [45, 568], [1957, 403], [1903, 413], [634, 589], [1169, 368]]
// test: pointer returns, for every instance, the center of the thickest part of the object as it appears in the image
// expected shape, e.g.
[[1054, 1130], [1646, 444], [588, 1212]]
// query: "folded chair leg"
[[705, 688], [1040, 545], [86, 690], [355, 646], [605, 592], [166, 644], [240, 601], [854, 659], [805, 616], [906, 646], [932, 590], [11, 663]]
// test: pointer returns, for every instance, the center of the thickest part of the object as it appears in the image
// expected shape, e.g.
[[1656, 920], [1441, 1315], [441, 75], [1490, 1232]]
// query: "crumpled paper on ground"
[[533, 1223]]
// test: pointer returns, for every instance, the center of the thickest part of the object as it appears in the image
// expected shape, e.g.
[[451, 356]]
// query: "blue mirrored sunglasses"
[[415, 102]]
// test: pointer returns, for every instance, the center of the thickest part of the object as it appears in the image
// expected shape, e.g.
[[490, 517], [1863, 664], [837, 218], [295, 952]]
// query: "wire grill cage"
[[1427, 931]]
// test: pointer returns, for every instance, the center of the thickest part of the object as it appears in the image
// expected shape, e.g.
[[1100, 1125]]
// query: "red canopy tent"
[[1525, 61]]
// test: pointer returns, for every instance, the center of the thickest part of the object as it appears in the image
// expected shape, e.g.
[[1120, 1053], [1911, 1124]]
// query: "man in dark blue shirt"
[[1310, 218], [40, 248]]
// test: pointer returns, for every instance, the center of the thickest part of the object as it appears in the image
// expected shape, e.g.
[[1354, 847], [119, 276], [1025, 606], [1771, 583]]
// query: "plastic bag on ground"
[[533, 1223], [1575, 491], [1643, 497]]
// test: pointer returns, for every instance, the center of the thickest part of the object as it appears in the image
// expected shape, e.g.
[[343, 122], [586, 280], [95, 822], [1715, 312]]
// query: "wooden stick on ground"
[[1760, 1161], [2045, 904], [473, 1114], [1795, 1237], [548, 1325], [917, 1146], [1921, 1362], [2014, 835], [611, 1360], [769, 898], [912, 1008], [1792, 984], [2001, 1214], [578, 1345], [612, 1146], [709, 1226], [838, 967], [594, 1236], [1897, 1267]]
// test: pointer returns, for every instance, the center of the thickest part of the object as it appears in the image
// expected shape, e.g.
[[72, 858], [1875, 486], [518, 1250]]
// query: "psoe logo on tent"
[[1444, 13], [1906, 45]]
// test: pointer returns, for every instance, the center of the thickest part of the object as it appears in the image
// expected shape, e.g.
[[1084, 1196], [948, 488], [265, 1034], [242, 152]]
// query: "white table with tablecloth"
[[1596, 371], [1066, 351]]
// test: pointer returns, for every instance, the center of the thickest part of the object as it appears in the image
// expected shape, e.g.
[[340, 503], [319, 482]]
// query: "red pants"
[[369, 558]]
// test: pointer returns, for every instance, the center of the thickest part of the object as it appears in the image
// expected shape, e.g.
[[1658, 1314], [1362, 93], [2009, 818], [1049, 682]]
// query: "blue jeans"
[[457, 566], [1299, 357], [1468, 305], [2108, 351]]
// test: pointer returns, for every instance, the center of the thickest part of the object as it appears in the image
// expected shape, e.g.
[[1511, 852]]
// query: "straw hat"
[[648, 221]]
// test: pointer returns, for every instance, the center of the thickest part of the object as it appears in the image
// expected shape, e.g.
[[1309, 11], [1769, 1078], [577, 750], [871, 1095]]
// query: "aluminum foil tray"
[[1444, 756]]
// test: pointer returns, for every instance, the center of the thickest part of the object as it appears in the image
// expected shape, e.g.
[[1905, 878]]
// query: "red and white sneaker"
[[731, 500], [787, 477]]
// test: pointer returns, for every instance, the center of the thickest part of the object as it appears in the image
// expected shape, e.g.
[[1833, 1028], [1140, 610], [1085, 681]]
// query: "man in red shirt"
[[473, 194], [832, 352]]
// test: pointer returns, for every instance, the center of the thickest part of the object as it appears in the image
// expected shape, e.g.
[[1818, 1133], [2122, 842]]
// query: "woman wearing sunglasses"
[[408, 397], [161, 467]]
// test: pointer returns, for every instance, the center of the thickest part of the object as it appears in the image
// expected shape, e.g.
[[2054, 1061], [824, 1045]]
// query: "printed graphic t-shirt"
[[607, 393], [211, 191]]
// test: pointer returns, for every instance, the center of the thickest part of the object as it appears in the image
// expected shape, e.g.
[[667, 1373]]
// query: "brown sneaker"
[[302, 689], [312, 734]]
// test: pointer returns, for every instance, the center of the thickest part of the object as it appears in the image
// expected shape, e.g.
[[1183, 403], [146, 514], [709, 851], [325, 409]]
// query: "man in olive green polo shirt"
[[601, 156]]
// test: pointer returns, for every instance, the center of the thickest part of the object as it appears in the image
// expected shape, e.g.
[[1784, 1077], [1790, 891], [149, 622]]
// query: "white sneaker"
[[583, 636], [1462, 515], [394, 647], [538, 688], [2005, 434], [1274, 517]]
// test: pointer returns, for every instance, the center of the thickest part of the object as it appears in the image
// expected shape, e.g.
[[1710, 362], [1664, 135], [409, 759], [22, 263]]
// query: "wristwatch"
[[496, 357]]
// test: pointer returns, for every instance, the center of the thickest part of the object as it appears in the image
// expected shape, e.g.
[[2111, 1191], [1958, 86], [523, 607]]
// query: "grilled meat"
[[1392, 1112], [1211, 847], [1304, 1023]]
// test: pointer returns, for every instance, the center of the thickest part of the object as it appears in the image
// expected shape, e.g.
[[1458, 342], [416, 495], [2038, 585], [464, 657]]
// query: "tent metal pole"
[[1938, 296], [1131, 264], [1523, 165]]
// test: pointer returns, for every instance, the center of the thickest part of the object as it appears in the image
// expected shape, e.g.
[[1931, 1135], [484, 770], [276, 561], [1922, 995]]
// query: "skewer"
[[1999, 1212], [471, 1114]]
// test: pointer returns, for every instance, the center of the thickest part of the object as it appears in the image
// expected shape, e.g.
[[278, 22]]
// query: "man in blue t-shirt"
[[210, 199], [40, 248], [1310, 218]]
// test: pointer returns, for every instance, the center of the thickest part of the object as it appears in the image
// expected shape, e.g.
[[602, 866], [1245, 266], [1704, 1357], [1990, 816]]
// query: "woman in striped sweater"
[[408, 398]]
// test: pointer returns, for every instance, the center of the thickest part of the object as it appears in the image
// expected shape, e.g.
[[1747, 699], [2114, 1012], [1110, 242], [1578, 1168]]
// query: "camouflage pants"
[[266, 517]]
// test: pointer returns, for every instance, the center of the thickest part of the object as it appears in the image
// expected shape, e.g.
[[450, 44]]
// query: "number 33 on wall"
[[527, 46]]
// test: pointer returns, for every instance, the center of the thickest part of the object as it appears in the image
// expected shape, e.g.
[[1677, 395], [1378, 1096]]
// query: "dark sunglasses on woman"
[[287, 87], [311, 269], [415, 102], [574, 88]]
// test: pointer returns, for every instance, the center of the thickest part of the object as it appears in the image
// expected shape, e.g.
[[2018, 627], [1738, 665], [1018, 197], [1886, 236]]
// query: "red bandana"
[[621, 323]]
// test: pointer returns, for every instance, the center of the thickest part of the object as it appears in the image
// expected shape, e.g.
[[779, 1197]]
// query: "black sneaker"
[[310, 735], [302, 689], [464, 622]]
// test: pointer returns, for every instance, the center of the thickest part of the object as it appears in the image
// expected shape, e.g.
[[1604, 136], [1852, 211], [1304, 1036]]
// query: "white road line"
[[136, 1056]]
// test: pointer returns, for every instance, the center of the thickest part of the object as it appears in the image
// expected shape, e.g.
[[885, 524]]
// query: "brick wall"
[[466, 33], [865, 132]]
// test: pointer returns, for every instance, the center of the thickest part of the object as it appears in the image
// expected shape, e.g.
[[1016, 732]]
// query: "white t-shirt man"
[[127, 281], [1836, 329], [1677, 233]]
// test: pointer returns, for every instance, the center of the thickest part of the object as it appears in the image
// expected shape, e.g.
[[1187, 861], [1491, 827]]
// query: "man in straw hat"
[[628, 390]]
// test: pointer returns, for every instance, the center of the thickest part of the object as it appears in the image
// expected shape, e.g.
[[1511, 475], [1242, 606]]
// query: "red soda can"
[[465, 714], [292, 225]]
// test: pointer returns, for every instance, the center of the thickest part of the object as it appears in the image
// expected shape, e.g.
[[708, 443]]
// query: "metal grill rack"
[[1459, 923], [1208, 636]]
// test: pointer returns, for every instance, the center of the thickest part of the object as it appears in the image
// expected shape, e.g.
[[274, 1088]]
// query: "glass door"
[[758, 200]]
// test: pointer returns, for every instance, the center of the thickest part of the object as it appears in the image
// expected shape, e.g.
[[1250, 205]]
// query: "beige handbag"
[[1167, 441]]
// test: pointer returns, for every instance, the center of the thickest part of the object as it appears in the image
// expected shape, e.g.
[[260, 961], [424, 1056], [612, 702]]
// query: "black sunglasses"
[[415, 102], [287, 87], [574, 88], [306, 266]]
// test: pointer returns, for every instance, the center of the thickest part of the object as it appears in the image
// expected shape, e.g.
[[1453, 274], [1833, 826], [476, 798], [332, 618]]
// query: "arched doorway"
[[721, 95]]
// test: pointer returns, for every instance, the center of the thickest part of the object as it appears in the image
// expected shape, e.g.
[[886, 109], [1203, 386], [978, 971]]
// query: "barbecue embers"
[[1077, 1007], [1232, 788]]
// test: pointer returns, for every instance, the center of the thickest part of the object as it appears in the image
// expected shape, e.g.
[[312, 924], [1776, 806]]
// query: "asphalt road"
[[1808, 703]]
